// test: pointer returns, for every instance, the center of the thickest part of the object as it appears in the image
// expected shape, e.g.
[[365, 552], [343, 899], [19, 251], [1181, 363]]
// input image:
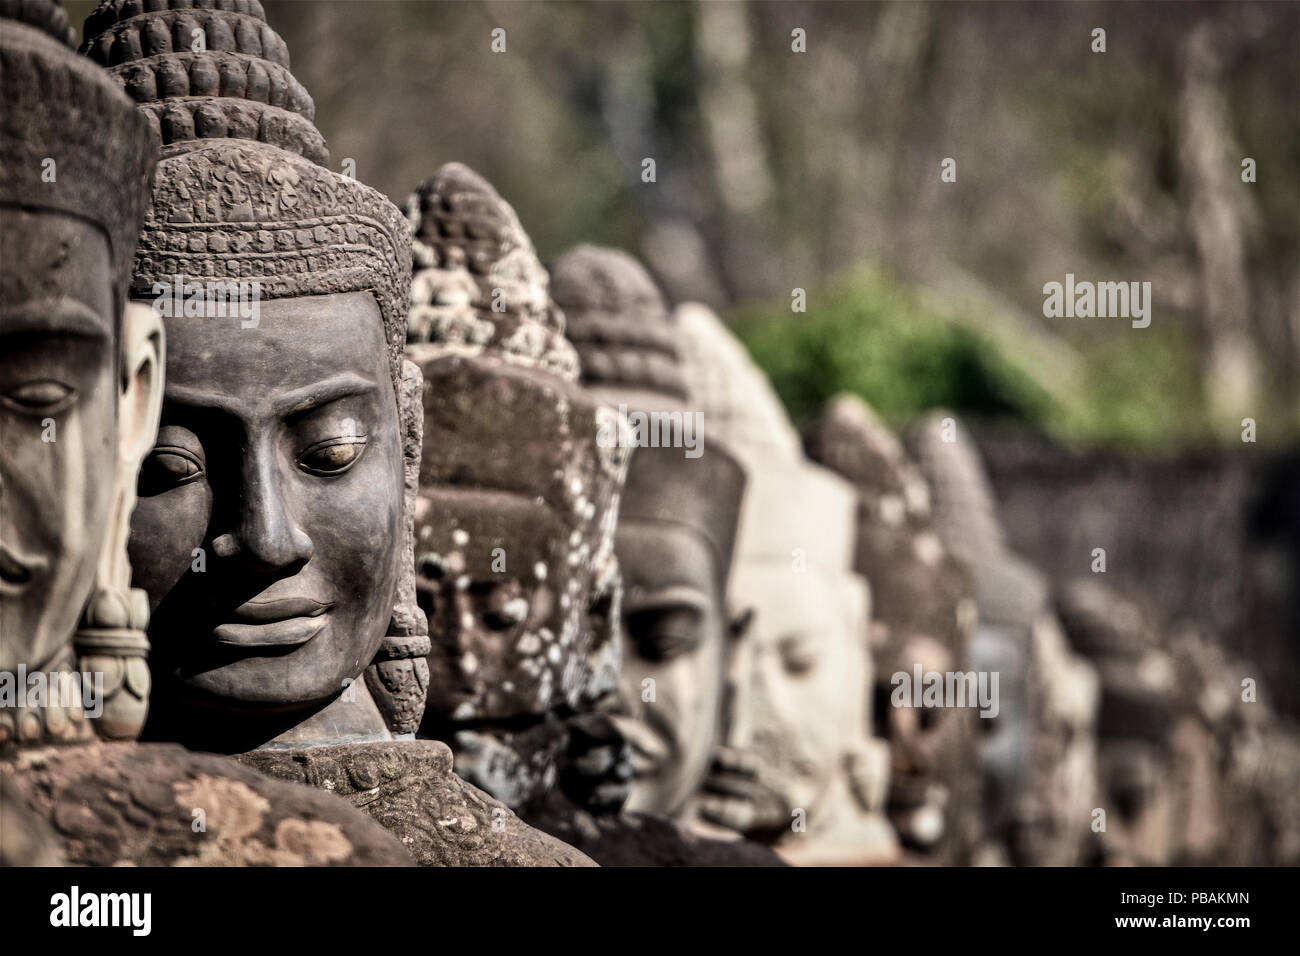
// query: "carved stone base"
[[107, 804], [409, 787]]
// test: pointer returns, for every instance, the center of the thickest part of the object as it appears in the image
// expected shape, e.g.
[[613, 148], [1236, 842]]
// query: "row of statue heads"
[[399, 548]]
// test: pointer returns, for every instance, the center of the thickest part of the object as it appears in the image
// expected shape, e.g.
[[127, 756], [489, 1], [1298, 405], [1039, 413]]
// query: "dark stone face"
[[508, 532], [922, 614], [279, 456], [674, 635], [58, 426], [502, 637], [922, 743]]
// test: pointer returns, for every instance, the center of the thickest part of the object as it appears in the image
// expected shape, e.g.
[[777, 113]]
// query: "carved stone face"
[[506, 533], [674, 634], [501, 638], [58, 426], [1137, 783], [801, 706], [270, 515], [921, 740]]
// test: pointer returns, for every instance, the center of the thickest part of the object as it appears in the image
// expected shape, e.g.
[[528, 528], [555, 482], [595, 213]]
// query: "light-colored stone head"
[[81, 377], [798, 766]]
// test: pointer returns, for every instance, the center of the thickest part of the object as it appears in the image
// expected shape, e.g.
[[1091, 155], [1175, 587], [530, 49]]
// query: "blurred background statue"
[[518, 498], [923, 614], [797, 766], [677, 525], [1039, 758]]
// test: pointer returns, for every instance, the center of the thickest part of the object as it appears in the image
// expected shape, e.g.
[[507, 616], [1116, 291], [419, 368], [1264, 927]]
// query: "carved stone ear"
[[142, 367], [398, 678], [111, 641], [739, 623], [112, 650]]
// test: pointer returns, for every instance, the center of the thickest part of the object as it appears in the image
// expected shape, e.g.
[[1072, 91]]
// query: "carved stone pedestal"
[[409, 787]]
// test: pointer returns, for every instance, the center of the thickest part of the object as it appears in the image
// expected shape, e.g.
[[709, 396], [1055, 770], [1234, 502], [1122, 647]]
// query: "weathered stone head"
[[80, 383], [676, 529], [1139, 788], [519, 493], [271, 528], [1235, 760], [1038, 754], [923, 616], [798, 767]]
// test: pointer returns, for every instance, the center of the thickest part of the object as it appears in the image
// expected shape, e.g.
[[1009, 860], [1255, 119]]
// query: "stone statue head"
[[1135, 723], [923, 615], [1038, 754], [272, 528], [80, 379], [798, 711], [518, 495], [798, 766], [676, 529]]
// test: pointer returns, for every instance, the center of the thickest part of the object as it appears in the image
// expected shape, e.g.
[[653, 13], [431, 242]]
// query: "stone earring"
[[398, 677], [112, 648]]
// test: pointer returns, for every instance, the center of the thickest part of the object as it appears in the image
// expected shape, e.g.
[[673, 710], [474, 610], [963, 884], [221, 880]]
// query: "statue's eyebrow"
[[295, 403], [683, 596], [320, 393], [54, 316]]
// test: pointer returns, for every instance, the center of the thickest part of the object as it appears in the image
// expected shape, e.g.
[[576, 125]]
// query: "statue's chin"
[[261, 685]]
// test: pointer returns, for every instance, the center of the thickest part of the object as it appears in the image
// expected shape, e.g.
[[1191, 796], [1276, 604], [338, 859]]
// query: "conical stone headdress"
[[628, 345], [511, 443], [734, 394], [619, 323], [91, 158], [1009, 590], [478, 283], [242, 191], [788, 498], [917, 585]]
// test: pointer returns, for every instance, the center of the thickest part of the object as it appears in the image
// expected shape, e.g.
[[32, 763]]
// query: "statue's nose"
[[266, 537]]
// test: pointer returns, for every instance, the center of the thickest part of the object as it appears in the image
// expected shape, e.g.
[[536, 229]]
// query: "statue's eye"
[[167, 467], [332, 457], [797, 655], [663, 634], [45, 397]]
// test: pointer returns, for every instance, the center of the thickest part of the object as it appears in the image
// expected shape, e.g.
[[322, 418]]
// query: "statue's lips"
[[649, 751], [279, 623]]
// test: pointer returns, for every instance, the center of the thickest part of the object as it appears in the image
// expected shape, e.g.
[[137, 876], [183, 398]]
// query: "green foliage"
[[1138, 394], [867, 335]]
